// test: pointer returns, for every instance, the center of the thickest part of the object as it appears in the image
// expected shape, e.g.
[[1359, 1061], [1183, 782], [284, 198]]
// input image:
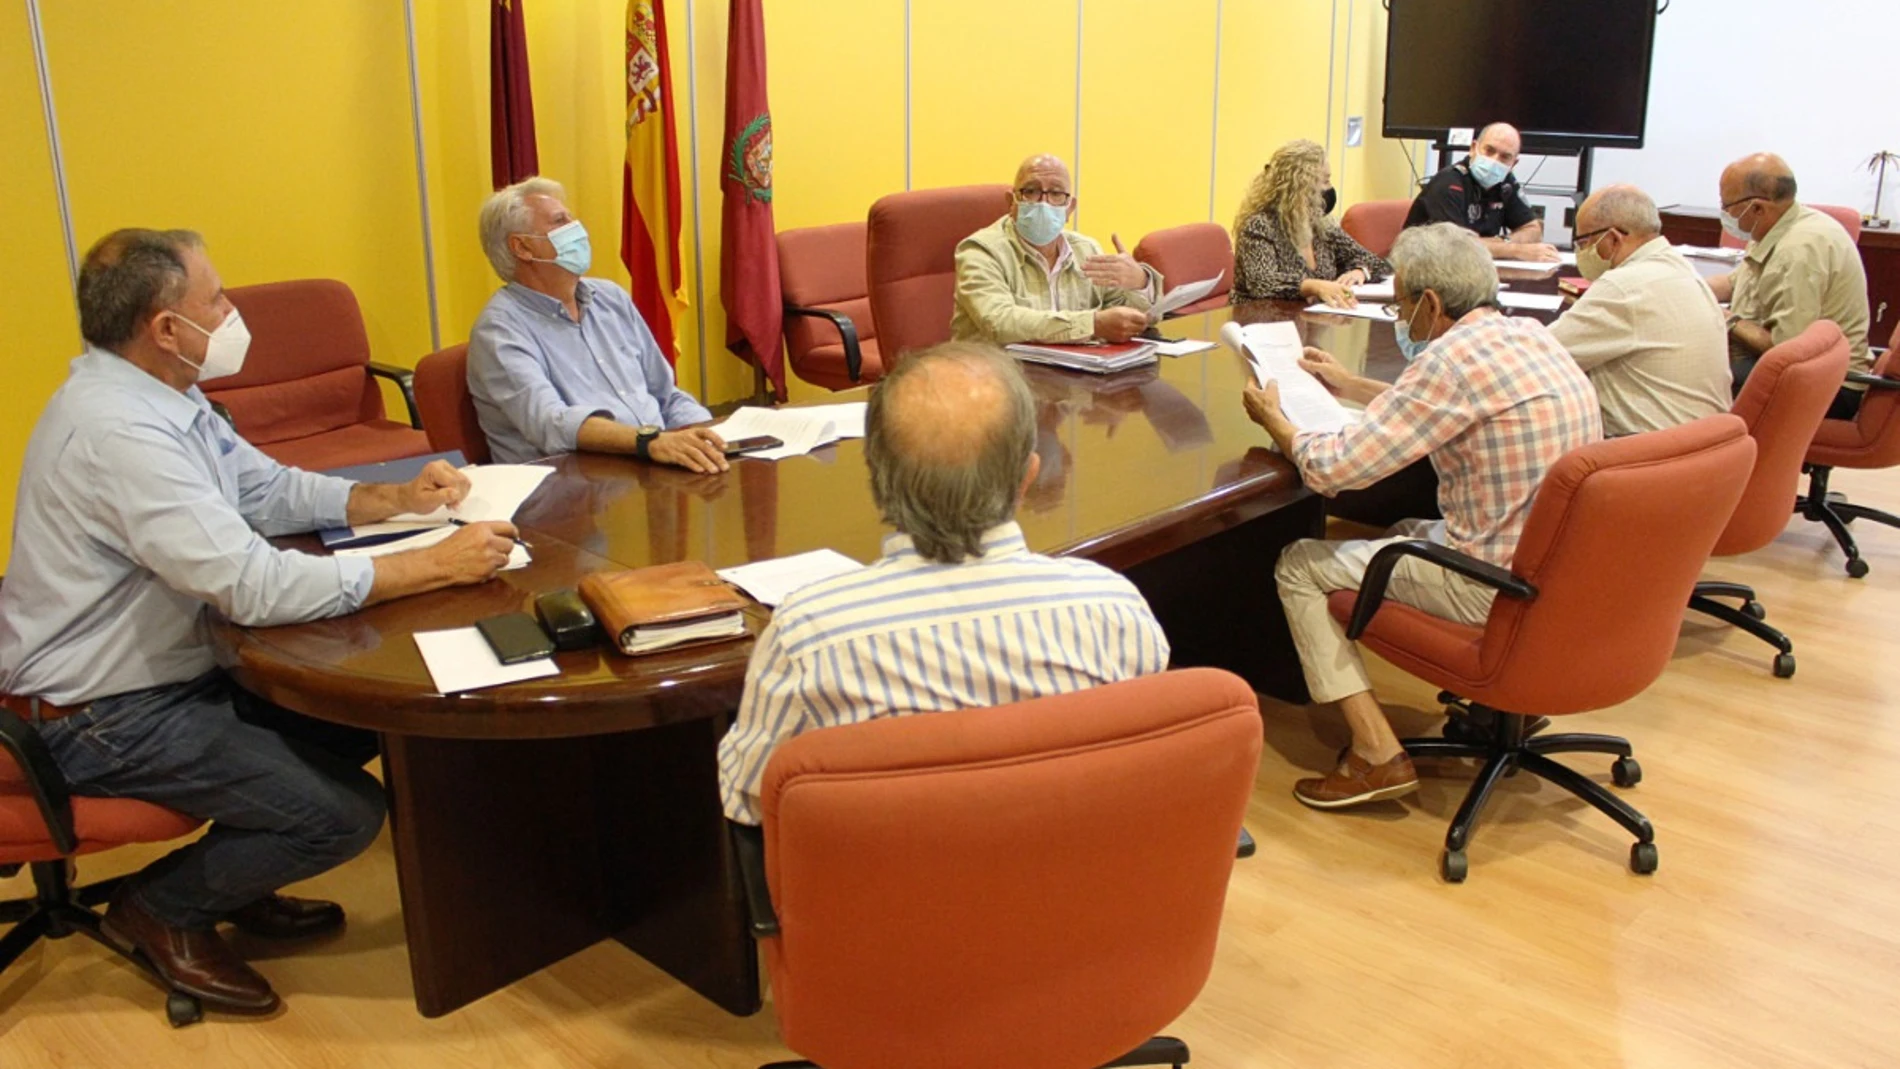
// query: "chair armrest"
[[43, 778], [1874, 381], [853, 356], [748, 849], [405, 380], [1379, 573]]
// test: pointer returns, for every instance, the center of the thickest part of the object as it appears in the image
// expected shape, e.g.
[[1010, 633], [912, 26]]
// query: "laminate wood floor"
[[1770, 936]]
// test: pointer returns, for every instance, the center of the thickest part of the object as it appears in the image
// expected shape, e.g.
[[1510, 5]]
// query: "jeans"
[[1846, 404], [287, 796]]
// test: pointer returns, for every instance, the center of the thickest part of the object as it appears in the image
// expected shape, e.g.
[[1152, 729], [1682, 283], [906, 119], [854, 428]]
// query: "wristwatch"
[[641, 444]]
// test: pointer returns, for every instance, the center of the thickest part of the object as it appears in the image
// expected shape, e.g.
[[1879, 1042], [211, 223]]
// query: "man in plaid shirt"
[[1493, 400]]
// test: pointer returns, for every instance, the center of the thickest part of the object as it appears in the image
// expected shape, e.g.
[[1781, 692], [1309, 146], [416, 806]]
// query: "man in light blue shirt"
[[559, 363], [138, 507], [958, 612]]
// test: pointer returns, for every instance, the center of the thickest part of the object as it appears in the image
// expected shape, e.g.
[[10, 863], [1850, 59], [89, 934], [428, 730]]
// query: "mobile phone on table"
[[751, 445], [515, 637]]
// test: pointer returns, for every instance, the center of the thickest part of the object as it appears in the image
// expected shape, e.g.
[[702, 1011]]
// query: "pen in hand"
[[459, 522]]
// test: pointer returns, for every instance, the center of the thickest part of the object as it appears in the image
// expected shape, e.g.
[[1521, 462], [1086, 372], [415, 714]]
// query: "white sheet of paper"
[[462, 659], [1362, 310], [1536, 267], [519, 557], [1182, 347], [1704, 252], [847, 418], [1542, 302], [1568, 259], [800, 430], [1185, 294], [1374, 291], [770, 582], [1274, 351], [495, 492]]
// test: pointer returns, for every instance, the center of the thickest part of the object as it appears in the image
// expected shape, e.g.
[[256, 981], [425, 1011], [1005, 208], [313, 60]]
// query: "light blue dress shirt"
[[137, 507], [536, 375]]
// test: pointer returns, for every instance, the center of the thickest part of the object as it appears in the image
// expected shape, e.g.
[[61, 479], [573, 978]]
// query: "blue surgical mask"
[[1409, 347], [1039, 223], [572, 250], [1488, 171]]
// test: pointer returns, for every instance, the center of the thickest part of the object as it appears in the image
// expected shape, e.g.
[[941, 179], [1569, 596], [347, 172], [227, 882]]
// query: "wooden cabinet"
[[1879, 252]]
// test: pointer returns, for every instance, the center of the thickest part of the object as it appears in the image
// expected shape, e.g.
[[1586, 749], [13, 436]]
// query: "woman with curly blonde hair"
[[1286, 245]]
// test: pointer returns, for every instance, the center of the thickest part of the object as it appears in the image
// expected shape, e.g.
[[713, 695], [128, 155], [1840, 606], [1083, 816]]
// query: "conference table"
[[533, 820]]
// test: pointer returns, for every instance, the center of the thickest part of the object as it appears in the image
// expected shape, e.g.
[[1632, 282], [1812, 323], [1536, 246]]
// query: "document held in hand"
[[665, 605], [1271, 352], [1185, 294]]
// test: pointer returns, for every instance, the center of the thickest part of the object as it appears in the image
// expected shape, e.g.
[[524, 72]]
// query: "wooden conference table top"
[[1134, 466]]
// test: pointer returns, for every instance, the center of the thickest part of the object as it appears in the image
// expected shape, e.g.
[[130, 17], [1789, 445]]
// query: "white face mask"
[[224, 353]]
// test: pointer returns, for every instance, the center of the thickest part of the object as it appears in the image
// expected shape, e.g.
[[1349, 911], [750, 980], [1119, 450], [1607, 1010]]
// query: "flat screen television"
[[1570, 74]]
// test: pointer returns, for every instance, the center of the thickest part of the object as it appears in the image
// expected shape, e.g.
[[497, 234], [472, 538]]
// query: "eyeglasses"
[[1578, 241], [1729, 207], [1389, 310], [1054, 197]]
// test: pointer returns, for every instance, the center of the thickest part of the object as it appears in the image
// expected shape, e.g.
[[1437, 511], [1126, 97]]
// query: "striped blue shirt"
[[909, 635]]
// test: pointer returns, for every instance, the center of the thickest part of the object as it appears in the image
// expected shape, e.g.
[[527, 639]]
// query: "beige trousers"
[[1311, 568]]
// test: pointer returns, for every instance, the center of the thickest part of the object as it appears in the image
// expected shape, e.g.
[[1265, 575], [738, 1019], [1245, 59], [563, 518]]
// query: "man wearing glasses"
[[1801, 266], [1025, 278]]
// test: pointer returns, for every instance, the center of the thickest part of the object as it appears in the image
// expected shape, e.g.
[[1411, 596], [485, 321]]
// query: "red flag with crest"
[[748, 268], [512, 156]]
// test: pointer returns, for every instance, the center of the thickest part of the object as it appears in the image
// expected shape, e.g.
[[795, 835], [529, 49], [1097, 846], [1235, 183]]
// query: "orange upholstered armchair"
[[1870, 440], [1033, 884], [448, 411], [1586, 617], [910, 260], [1376, 223], [1782, 403], [44, 826], [1191, 253], [830, 337], [307, 395]]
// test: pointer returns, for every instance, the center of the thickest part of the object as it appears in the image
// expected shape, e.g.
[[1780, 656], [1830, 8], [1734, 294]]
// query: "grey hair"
[[506, 213], [1776, 187], [1628, 209], [128, 276], [946, 506], [1448, 260]]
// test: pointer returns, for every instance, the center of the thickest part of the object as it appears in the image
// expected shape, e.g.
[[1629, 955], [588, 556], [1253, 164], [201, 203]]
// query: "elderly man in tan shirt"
[[1800, 266], [1026, 278], [1648, 331]]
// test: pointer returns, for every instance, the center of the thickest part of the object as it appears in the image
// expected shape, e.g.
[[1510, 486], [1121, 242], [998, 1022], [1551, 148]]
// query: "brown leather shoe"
[[193, 961], [1357, 781], [283, 917]]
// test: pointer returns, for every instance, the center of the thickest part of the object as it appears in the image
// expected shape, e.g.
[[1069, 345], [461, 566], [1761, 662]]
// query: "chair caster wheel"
[[1643, 858], [1784, 665], [1754, 610], [1857, 568], [1626, 772], [182, 1009], [1453, 866]]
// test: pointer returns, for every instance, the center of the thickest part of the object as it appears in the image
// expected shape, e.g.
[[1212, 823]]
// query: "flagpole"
[[692, 151], [51, 117], [422, 178]]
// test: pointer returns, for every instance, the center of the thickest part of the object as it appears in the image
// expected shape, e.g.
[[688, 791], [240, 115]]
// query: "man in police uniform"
[[1481, 194]]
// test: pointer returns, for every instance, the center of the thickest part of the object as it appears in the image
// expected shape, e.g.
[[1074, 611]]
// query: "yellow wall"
[[283, 131]]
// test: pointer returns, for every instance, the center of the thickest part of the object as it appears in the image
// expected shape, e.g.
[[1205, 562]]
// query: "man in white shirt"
[[1648, 331]]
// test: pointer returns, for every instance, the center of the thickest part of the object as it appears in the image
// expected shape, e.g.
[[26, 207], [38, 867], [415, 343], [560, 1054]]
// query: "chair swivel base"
[[1836, 512], [1508, 751], [1161, 1050], [57, 911], [1748, 618]]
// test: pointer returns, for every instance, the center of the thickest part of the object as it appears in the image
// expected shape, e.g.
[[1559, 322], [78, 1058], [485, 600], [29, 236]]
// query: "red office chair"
[[1847, 217], [1376, 223], [448, 412], [1190, 253], [1033, 884], [1782, 403], [910, 260], [830, 338], [42, 825], [308, 395], [1871, 440], [1587, 616]]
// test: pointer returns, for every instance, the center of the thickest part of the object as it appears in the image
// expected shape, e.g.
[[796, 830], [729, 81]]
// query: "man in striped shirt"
[[1493, 401], [957, 612]]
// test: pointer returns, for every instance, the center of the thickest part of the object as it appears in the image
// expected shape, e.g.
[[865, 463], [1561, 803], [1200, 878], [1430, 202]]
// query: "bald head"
[[1763, 174], [1500, 141], [1623, 207], [1048, 170], [949, 437]]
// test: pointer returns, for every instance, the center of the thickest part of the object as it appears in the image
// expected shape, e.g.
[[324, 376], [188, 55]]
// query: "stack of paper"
[[423, 538], [770, 582], [496, 492], [637, 640], [1536, 267], [1182, 347], [462, 660], [1099, 359], [1272, 351], [1375, 291], [1362, 310], [801, 428], [1703, 252], [1539, 302], [1183, 295]]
